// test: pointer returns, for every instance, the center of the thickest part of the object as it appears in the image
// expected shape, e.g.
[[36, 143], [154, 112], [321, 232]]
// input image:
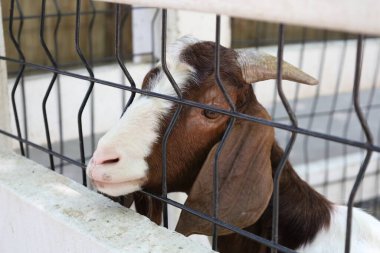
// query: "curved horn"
[[258, 66]]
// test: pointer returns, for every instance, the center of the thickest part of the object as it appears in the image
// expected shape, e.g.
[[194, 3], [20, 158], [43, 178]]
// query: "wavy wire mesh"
[[330, 135]]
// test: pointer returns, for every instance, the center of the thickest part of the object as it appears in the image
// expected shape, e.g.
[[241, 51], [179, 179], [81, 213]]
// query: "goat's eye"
[[210, 114]]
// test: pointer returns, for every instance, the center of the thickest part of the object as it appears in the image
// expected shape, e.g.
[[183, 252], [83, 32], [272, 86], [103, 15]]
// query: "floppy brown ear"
[[245, 179]]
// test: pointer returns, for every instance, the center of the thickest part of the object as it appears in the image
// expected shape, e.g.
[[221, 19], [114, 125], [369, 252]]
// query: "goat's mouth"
[[120, 188], [105, 179]]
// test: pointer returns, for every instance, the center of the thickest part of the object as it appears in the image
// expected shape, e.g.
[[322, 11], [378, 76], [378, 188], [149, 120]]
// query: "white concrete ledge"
[[42, 211], [344, 15]]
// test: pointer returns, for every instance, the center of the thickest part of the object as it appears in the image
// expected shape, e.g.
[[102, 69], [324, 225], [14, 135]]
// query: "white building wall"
[[108, 105], [179, 23]]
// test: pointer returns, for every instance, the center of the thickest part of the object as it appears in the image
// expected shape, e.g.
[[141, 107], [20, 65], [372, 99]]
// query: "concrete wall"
[[44, 212], [342, 15], [4, 98]]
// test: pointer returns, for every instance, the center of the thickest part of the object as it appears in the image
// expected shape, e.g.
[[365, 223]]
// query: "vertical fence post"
[[5, 123]]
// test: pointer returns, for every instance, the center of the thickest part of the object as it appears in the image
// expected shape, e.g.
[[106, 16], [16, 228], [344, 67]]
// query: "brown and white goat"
[[129, 157]]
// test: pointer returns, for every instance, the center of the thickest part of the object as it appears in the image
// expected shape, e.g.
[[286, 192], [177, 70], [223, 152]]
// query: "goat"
[[129, 157]]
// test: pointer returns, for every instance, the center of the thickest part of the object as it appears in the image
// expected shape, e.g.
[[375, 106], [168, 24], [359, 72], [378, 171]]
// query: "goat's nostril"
[[105, 160], [105, 156], [114, 160]]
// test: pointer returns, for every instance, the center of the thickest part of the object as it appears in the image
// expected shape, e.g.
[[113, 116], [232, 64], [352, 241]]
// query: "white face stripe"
[[136, 132]]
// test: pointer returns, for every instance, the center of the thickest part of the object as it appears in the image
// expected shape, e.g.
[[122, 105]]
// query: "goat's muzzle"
[[106, 173]]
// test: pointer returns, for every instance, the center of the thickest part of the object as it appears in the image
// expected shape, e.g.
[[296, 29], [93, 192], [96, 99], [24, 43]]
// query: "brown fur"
[[303, 212]]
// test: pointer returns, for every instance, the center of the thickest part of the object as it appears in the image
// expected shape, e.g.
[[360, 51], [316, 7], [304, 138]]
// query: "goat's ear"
[[245, 179]]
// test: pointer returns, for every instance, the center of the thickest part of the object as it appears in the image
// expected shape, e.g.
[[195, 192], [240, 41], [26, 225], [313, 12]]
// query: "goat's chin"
[[118, 189]]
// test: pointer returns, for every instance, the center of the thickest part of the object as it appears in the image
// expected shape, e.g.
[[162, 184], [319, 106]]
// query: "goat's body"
[[365, 235], [130, 155]]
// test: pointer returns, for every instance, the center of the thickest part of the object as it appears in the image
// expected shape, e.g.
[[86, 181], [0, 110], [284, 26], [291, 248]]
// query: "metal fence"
[[291, 119], [52, 53]]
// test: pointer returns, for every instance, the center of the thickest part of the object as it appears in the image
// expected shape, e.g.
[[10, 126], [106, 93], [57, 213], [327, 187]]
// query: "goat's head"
[[129, 156]]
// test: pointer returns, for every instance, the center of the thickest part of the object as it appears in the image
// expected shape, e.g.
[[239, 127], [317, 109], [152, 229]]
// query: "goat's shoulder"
[[364, 237]]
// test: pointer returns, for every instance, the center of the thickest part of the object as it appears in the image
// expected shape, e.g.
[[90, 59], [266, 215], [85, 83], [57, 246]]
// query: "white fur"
[[135, 133], [365, 236]]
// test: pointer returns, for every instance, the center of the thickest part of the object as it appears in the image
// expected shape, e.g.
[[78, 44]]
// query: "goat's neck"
[[303, 211]]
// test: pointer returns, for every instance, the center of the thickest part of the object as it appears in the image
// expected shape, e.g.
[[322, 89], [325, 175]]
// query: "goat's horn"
[[257, 66]]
